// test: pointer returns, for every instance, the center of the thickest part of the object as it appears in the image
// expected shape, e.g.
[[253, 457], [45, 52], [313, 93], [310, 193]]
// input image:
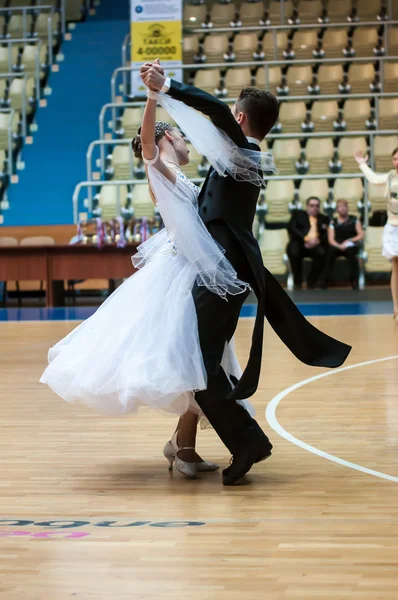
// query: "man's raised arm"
[[219, 112]]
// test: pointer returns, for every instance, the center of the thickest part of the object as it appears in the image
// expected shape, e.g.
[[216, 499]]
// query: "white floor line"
[[270, 415]]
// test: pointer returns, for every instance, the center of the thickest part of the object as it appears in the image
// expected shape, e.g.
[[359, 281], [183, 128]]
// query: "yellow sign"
[[152, 40]]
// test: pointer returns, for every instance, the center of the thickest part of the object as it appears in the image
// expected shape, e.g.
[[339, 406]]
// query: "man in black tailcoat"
[[228, 207]]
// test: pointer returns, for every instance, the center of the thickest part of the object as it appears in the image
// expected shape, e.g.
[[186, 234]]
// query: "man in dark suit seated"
[[308, 231]]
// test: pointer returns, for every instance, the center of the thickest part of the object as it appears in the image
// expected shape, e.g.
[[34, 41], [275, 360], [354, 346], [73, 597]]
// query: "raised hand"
[[152, 74], [360, 158], [146, 66]]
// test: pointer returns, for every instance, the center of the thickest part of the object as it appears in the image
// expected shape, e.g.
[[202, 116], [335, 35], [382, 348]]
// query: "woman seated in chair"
[[344, 235]]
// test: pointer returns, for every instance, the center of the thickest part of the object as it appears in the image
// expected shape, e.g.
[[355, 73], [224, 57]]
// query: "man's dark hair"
[[313, 198], [394, 151], [261, 109]]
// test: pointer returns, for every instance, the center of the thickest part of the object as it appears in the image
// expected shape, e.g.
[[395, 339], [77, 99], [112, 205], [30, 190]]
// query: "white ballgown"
[[141, 347]]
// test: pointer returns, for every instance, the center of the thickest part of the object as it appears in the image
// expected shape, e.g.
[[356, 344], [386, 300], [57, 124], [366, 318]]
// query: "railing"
[[102, 144], [274, 29], [23, 76], [11, 113], [30, 10], [290, 27], [114, 106], [93, 184], [61, 11], [126, 48], [26, 42], [132, 182], [280, 136], [267, 65], [283, 63]]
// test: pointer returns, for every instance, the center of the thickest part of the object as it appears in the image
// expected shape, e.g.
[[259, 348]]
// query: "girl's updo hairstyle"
[[160, 129]]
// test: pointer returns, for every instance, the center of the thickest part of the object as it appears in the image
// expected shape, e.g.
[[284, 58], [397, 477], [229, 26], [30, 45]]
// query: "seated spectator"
[[308, 237], [345, 233]]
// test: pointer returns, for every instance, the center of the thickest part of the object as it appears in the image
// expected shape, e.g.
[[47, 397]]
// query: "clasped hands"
[[152, 74]]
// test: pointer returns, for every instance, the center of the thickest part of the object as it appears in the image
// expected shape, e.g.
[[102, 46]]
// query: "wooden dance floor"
[[89, 510]]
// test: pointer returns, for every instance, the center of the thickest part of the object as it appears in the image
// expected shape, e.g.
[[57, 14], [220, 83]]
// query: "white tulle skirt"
[[390, 241], [140, 348]]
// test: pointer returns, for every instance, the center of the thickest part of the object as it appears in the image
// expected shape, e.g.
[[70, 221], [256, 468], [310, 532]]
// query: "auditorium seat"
[[195, 15], [310, 11], [392, 39], [207, 80], [123, 162], [364, 41], [286, 154], [365, 10], [73, 10], [236, 79], [298, 79], [274, 78], [268, 45], [131, 121], [252, 13], [274, 8], [273, 250], [245, 45], [324, 114], [356, 114], [338, 10], [191, 45], [41, 26], [376, 197], [142, 202], [334, 41], [18, 89], [108, 200], [390, 76], [4, 123], [388, 113], [375, 261], [384, 145], [4, 65], [351, 190], [222, 14], [279, 194], [291, 116], [215, 47], [329, 78], [313, 187], [346, 148], [318, 152], [29, 57], [16, 28], [360, 77], [304, 43]]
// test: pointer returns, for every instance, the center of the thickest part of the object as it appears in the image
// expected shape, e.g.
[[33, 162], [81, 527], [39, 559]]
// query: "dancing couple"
[[164, 338]]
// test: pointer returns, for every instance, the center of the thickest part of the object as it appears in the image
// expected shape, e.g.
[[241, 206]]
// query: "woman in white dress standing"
[[390, 233], [141, 347]]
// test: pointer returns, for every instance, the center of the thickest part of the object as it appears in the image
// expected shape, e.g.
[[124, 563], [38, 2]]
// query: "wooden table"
[[55, 264]]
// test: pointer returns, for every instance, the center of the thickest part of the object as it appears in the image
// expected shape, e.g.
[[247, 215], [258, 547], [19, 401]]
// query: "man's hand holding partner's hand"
[[152, 74]]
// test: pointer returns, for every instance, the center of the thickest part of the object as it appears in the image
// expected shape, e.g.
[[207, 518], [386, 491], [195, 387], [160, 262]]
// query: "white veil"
[[177, 202], [184, 228], [224, 156]]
